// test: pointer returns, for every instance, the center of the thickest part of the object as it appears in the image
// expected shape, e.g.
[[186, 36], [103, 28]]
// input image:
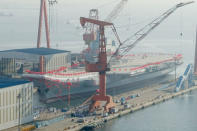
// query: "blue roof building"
[[8, 82], [37, 51], [30, 57]]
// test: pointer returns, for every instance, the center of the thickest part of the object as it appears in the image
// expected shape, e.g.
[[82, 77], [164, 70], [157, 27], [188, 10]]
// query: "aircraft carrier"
[[147, 67]]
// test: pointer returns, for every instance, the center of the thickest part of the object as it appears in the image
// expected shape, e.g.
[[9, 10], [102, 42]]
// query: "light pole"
[[19, 112]]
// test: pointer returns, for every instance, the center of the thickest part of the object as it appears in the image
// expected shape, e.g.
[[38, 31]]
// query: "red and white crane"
[[102, 66]]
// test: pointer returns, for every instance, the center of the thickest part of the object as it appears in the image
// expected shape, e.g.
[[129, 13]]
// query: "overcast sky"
[[26, 14]]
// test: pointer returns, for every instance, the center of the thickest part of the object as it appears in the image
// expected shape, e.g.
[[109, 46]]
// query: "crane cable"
[[181, 29], [52, 18], [153, 24], [57, 27], [119, 41]]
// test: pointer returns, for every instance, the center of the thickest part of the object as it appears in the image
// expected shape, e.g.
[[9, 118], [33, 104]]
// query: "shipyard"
[[94, 69]]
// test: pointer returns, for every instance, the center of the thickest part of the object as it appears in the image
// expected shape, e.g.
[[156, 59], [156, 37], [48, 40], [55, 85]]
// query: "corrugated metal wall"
[[54, 62], [7, 66], [9, 105], [51, 62]]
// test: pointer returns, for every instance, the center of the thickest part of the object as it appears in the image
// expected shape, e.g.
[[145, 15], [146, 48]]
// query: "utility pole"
[[19, 111]]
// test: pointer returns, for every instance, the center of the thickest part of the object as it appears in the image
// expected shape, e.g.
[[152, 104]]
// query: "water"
[[178, 114]]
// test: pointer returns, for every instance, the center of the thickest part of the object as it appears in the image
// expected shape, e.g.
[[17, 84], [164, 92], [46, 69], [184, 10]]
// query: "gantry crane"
[[91, 30], [124, 47]]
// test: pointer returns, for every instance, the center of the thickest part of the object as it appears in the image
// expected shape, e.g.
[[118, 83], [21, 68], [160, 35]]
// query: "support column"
[[46, 25], [42, 64], [102, 79], [43, 9]]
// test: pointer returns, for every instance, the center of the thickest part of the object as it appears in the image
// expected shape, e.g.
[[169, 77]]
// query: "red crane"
[[100, 66], [124, 47], [43, 9]]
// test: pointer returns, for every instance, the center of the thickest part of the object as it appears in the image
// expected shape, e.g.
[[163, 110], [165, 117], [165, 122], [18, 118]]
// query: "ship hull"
[[116, 83]]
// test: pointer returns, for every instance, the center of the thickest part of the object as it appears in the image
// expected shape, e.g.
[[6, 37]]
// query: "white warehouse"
[[53, 59], [9, 102]]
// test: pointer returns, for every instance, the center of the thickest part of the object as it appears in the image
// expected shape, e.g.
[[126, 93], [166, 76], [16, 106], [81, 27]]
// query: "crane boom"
[[118, 8], [132, 41]]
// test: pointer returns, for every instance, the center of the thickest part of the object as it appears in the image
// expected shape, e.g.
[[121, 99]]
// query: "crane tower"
[[100, 66]]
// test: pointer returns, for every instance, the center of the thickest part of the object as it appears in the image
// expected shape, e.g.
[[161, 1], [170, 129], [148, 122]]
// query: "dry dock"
[[148, 96]]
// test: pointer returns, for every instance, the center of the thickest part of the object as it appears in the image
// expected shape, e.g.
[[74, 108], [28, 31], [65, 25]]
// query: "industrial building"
[[7, 66], [11, 102], [36, 59]]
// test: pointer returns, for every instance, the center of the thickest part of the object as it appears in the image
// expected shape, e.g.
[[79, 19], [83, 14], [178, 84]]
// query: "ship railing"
[[123, 70], [84, 76]]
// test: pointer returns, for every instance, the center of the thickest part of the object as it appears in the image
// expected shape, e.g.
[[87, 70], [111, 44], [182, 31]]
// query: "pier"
[[149, 96]]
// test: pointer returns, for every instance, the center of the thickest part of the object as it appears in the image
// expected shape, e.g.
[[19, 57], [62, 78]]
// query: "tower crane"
[[102, 66], [115, 12], [91, 30]]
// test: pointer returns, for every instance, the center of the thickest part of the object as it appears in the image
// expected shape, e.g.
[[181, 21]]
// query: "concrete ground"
[[147, 94]]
